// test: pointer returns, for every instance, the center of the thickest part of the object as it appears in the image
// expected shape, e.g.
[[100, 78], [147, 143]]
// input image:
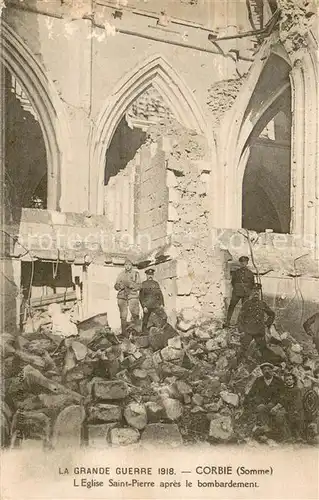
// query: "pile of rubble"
[[169, 387]]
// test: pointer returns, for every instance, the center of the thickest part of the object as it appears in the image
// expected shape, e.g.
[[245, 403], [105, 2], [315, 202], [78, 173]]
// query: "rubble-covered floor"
[[171, 387]]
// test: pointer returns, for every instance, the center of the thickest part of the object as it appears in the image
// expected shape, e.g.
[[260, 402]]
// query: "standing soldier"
[[252, 322], [243, 281], [128, 286], [151, 297]]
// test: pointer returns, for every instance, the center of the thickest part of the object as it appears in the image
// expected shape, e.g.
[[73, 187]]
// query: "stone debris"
[[105, 413], [135, 415], [171, 386], [161, 434], [68, 426], [124, 436]]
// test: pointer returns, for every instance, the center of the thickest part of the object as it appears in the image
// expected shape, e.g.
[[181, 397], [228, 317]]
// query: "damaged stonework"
[[199, 266], [297, 17], [221, 96]]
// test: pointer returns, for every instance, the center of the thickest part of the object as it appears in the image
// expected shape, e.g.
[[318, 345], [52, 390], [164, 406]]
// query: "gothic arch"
[[233, 151], [154, 71], [19, 60]]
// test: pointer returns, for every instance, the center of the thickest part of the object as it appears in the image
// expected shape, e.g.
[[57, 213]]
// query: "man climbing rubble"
[[151, 297], [311, 327], [242, 281], [265, 400], [252, 323], [128, 286]]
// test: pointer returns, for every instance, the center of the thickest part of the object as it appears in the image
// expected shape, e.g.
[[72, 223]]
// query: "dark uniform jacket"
[[151, 295], [252, 317], [261, 393], [243, 281]]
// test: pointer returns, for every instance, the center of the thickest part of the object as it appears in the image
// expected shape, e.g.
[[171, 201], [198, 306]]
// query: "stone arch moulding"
[[18, 59], [233, 152], [232, 148], [155, 71]]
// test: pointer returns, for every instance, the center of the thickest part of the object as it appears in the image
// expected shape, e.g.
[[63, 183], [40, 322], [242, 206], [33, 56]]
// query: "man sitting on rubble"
[[252, 323], [265, 400], [311, 327], [151, 297], [128, 286], [242, 282]]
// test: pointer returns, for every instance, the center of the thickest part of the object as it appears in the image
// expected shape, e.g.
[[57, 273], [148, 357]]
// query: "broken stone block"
[[40, 345], [31, 359], [295, 358], [230, 398], [113, 389], [175, 342], [67, 427], [171, 354], [142, 341], [124, 436], [187, 399], [187, 319], [222, 363], [214, 407], [98, 435], [221, 428], [183, 388], [56, 402], [157, 358], [156, 338], [211, 356], [155, 411], [161, 434], [135, 415], [173, 408], [296, 348], [202, 334], [105, 412], [140, 374], [197, 400], [211, 345]]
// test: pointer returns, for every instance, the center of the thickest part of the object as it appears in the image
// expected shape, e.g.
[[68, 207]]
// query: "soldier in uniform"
[[243, 281], [252, 322], [151, 297], [128, 287]]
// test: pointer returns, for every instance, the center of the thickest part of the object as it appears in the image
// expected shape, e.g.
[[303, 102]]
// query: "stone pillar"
[[305, 182]]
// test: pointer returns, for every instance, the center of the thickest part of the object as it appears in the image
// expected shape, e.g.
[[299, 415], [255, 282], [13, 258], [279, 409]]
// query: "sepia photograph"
[[159, 249]]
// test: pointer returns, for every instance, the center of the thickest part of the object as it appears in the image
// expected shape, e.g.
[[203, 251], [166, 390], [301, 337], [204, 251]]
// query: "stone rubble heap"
[[170, 387]]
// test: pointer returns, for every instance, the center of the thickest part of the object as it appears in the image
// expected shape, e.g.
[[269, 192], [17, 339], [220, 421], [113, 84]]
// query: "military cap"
[[243, 258], [150, 271]]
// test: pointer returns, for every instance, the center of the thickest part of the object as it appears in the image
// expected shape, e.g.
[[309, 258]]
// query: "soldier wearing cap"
[[128, 286], [252, 322], [151, 297], [242, 281]]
